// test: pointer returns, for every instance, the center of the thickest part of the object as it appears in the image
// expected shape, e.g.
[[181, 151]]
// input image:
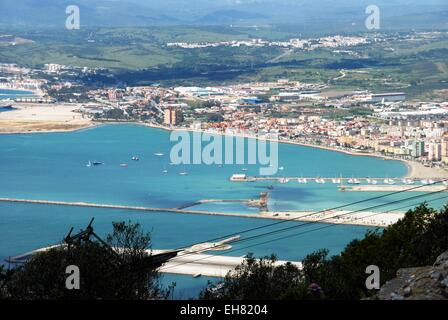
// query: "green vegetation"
[[139, 56], [104, 274], [416, 240]]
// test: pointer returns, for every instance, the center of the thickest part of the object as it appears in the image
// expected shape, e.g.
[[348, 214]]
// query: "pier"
[[258, 203], [206, 264], [185, 263], [376, 183], [371, 219]]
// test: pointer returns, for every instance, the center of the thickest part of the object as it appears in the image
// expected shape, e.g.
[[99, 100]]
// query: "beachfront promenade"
[[365, 218]]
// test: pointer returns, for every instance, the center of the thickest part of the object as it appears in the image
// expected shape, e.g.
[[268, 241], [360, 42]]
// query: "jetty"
[[374, 183], [259, 203], [196, 264], [371, 219], [395, 188], [187, 262]]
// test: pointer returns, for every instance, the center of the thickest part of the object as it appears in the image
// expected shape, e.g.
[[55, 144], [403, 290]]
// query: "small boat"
[[430, 181], [244, 169], [353, 181], [135, 158], [281, 168], [97, 163], [165, 171], [89, 164], [373, 181], [424, 181], [124, 165], [159, 154], [369, 181], [183, 173], [284, 180]]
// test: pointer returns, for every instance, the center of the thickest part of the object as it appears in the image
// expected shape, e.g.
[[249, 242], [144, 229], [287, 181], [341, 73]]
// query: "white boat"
[[281, 168], [244, 169], [336, 181], [424, 181], [135, 158], [184, 172], [369, 181], [123, 165], [89, 164], [284, 180], [390, 181], [159, 154], [373, 181], [353, 181], [430, 181], [165, 171], [320, 180]]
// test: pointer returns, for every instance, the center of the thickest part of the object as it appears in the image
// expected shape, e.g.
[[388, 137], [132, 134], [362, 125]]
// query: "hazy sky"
[[150, 12]]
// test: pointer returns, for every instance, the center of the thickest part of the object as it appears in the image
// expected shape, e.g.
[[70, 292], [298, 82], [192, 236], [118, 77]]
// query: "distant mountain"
[[230, 16], [46, 13]]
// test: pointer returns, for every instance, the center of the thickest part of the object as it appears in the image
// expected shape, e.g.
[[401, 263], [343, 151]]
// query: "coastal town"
[[224, 154], [314, 114]]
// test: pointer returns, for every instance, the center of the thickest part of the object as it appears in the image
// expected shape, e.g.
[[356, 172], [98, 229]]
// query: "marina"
[[378, 181]]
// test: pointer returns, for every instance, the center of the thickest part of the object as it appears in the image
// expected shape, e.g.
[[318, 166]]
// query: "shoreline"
[[415, 170]]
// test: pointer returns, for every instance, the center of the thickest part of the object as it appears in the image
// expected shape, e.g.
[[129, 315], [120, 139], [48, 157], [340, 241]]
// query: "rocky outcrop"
[[421, 283]]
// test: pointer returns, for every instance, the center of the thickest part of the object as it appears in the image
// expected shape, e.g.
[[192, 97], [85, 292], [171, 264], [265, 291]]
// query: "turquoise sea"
[[52, 166]]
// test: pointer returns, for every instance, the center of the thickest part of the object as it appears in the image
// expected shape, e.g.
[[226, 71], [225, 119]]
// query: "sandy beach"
[[30, 118]]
